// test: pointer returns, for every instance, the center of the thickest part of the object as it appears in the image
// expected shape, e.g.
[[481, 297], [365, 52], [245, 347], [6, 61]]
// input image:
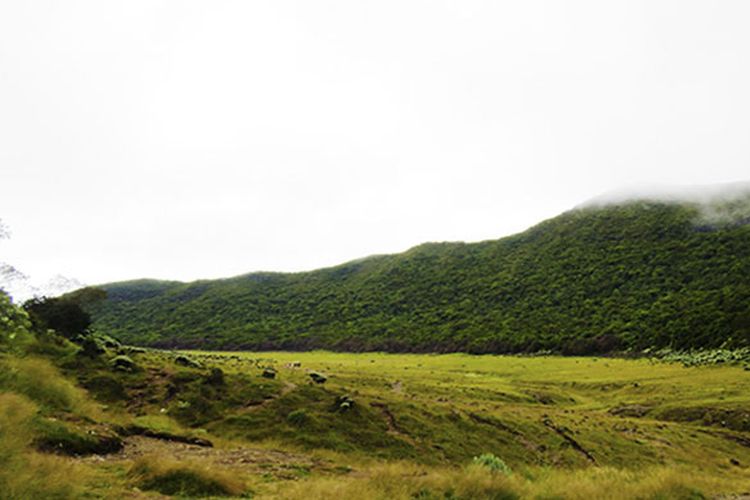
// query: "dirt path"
[[393, 427]]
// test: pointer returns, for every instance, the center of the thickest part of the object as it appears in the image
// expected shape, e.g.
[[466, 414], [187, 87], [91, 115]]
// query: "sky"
[[200, 139]]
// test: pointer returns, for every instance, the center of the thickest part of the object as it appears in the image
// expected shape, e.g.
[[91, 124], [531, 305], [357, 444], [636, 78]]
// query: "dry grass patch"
[[402, 481], [24, 473], [42, 382]]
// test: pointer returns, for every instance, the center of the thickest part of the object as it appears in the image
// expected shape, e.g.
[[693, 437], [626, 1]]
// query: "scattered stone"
[[344, 403], [318, 378], [269, 373]]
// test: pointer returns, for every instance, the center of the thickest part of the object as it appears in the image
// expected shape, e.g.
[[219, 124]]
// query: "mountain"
[[608, 275], [21, 287]]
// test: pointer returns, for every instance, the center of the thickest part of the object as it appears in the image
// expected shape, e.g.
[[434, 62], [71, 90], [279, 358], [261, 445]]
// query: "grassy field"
[[390, 426], [550, 419]]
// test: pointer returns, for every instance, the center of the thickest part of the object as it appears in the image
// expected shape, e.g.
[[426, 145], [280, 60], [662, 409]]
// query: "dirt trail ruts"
[[393, 427]]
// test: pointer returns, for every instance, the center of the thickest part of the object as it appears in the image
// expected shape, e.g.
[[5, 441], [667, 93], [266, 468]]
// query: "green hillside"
[[594, 279]]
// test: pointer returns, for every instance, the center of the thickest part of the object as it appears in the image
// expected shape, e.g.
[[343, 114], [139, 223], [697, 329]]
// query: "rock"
[[344, 403], [318, 378], [269, 373]]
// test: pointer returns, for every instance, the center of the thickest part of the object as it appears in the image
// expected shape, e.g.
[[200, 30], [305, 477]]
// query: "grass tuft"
[[183, 478], [40, 381], [25, 474]]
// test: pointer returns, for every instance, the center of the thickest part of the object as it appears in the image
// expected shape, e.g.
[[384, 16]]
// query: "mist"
[[187, 140], [724, 203]]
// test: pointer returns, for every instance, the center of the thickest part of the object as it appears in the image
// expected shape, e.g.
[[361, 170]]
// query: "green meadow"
[[378, 425], [84, 416]]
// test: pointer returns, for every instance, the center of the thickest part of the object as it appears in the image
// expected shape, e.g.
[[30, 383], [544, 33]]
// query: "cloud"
[[718, 204]]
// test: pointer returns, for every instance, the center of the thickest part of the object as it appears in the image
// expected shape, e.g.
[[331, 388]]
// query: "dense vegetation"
[[597, 279], [87, 417]]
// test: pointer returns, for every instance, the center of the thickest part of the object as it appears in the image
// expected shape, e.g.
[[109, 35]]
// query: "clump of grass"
[[298, 418], [23, 473], [41, 382], [183, 478], [65, 439]]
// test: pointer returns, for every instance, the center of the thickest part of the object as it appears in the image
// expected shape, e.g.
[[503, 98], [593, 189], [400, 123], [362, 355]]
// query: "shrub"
[[492, 463], [14, 324], [123, 363]]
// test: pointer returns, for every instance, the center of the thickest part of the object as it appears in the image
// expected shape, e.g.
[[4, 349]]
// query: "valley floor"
[[412, 425]]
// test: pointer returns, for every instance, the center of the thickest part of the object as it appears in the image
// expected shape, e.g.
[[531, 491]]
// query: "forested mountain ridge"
[[594, 279]]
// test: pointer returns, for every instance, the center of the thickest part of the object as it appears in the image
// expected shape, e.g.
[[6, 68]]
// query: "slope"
[[594, 279]]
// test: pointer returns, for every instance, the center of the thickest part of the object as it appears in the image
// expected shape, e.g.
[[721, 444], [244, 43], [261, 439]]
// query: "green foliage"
[[704, 356], [492, 463], [591, 280], [14, 324], [63, 315]]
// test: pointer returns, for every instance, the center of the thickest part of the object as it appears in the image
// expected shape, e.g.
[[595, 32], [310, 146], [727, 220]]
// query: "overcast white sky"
[[183, 139]]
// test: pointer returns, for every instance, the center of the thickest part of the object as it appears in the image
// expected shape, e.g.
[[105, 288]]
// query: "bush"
[[123, 363], [185, 479], [14, 324], [64, 316], [492, 463]]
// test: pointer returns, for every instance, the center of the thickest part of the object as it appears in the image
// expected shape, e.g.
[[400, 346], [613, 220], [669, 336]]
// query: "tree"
[[64, 316]]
